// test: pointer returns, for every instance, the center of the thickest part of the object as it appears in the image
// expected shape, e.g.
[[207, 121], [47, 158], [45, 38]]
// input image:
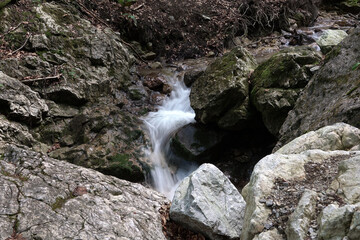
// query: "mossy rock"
[[277, 82], [223, 87]]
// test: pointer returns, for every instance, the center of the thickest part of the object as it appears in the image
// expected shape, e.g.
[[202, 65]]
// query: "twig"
[[41, 79], [22, 46], [138, 7], [12, 29]]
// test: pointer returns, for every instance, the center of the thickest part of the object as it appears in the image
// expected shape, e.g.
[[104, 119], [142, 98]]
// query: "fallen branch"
[[41, 79]]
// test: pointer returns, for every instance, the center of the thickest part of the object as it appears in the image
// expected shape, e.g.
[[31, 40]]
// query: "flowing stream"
[[174, 113]]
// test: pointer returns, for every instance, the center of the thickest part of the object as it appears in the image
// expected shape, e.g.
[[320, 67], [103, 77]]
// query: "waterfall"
[[174, 113]]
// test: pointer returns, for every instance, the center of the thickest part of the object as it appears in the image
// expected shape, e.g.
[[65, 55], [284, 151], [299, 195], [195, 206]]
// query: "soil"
[[286, 194], [189, 29]]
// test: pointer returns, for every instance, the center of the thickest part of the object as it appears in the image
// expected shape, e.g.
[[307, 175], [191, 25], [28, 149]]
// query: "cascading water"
[[174, 113]]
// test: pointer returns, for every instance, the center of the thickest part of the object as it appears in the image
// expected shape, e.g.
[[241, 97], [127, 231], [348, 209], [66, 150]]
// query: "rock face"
[[220, 94], [298, 167], [208, 203], [43, 198], [331, 96], [18, 102], [82, 102], [330, 38], [278, 81]]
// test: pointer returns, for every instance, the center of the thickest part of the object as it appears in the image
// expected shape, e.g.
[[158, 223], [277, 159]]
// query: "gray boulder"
[[43, 198], [207, 202], [331, 96], [19, 102], [220, 94], [278, 82]]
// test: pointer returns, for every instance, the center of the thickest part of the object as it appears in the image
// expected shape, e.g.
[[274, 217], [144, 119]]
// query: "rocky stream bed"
[[274, 120]]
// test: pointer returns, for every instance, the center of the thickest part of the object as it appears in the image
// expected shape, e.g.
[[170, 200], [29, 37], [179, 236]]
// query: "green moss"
[[59, 203], [121, 161], [3, 3]]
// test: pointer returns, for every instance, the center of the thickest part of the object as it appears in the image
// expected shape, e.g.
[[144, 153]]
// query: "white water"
[[174, 113]]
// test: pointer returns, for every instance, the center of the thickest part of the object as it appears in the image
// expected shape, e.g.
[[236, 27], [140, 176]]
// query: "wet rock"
[[277, 84], [334, 221], [208, 203], [18, 102], [332, 94], [197, 143], [299, 220], [330, 38], [59, 200], [220, 95]]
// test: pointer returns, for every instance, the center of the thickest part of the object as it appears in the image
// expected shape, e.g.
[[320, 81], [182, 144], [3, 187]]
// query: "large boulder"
[[207, 202], [277, 83], [282, 184], [331, 96], [19, 102], [221, 94], [44, 198]]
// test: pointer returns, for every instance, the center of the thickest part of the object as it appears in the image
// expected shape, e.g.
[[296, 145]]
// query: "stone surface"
[[19, 102], [94, 99], [288, 164], [330, 38], [299, 220], [207, 202], [276, 83], [220, 94], [334, 221], [43, 198], [331, 96], [347, 182], [339, 136]]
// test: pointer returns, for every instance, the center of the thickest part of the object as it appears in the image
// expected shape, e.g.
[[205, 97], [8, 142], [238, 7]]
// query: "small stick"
[[41, 79]]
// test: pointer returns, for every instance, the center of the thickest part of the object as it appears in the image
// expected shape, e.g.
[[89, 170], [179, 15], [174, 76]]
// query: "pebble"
[[262, 201], [269, 203], [268, 226]]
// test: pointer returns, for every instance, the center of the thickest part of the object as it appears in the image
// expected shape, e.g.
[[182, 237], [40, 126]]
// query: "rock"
[[39, 42], [330, 38], [208, 203], [59, 200], [288, 164], [278, 81], [332, 94], [220, 95], [16, 133], [354, 231], [346, 183], [92, 93], [334, 221], [194, 68], [197, 143], [18, 102], [269, 235], [299, 220], [339, 136]]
